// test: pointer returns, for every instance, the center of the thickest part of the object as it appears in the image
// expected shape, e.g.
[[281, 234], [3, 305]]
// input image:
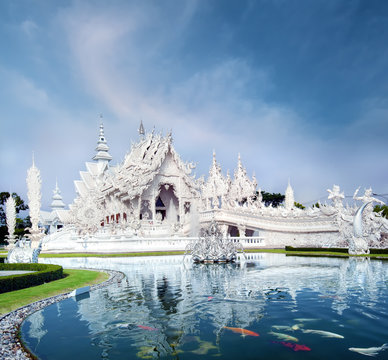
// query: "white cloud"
[[212, 108], [29, 28], [121, 57]]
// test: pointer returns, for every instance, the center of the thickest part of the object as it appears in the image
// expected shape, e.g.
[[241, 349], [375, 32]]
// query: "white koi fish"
[[372, 351], [284, 336], [287, 328], [323, 333], [305, 320], [282, 327]]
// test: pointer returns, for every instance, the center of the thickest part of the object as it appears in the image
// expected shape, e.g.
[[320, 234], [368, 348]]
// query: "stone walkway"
[[10, 345]]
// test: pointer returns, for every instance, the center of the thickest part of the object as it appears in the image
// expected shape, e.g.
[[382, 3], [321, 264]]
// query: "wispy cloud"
[[136, 60], [29, 28]]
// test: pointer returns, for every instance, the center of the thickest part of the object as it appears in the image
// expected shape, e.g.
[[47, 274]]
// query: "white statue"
[[367, 197], [336, 196]]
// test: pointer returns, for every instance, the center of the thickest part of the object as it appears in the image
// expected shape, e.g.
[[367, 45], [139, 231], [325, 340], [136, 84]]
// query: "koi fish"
[[122, 326], [372, 351], [210, 298], [305, 319], [242, 331], [283, 336], [323, 333], [295, 347], [149, 328], [287, 328]]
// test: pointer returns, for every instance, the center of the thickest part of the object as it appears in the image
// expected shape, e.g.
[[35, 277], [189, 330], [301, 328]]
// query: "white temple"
[[151, 201]]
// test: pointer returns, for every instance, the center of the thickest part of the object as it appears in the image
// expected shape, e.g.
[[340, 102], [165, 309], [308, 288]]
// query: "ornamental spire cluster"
[[57, 202], [102, 148]]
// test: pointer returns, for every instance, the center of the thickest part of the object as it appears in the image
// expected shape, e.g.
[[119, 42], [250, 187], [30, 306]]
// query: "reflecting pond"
[[269, 305]]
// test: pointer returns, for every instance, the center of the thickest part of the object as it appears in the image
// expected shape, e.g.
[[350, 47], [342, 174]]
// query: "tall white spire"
[[57, 202], [102, 148], [289, 200]]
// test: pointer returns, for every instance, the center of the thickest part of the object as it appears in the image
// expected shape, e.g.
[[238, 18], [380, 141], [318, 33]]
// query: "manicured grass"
[[74, 279]]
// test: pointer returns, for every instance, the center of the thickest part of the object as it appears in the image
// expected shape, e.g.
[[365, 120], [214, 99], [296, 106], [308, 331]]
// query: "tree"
[[300, 206], [316, 205], [21, 224], [383, 209], [275, 199]]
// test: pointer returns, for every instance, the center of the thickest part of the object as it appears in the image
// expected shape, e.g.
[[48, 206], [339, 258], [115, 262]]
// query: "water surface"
[[168, 308]]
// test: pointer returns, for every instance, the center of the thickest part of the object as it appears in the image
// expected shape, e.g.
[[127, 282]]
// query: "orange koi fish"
[[241, 331], [149, 328], [292, 346]]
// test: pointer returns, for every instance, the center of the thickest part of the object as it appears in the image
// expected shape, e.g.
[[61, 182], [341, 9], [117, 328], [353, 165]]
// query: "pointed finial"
[[141, 128], [33, 159], [102, 147]]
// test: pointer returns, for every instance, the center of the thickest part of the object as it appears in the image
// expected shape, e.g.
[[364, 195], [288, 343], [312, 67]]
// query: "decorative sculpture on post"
[[34, 194], [10, 212], [24, 252], [212, 247]]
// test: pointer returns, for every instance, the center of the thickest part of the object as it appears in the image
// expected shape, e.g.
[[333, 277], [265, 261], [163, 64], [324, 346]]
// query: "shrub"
[[340, 250], [44, 273], [291, 248]]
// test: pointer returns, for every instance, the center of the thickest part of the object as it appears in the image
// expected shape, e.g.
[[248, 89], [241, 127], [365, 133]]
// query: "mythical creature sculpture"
[[367, 197], [24, 253], [336, 196]]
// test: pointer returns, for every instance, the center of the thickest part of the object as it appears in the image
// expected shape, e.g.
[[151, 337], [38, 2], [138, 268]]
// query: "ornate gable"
[[242, 187], [216, 185]]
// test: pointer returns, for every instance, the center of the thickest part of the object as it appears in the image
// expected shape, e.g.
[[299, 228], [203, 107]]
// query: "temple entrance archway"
[[167, 203]]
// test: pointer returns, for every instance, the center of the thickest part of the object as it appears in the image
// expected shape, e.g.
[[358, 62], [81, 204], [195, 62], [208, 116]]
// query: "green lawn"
[[74, 279]]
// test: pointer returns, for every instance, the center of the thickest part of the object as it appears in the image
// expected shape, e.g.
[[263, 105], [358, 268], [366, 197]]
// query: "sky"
[[299, 88]]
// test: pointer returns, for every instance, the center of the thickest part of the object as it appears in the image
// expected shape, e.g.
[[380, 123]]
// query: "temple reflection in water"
[[177, 298]]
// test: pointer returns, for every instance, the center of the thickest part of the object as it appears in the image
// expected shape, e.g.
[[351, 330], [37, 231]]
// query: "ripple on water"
[[170, 310]]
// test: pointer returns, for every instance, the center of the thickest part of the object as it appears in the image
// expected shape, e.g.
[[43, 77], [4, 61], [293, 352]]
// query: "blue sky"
[[299, 88]]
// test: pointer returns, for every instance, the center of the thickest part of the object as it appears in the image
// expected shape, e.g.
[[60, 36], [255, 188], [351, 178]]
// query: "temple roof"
[[142, 164]]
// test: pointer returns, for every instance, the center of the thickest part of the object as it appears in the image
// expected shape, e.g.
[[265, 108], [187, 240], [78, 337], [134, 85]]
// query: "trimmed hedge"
[[44, 273], [378, 251], [340, 250]]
